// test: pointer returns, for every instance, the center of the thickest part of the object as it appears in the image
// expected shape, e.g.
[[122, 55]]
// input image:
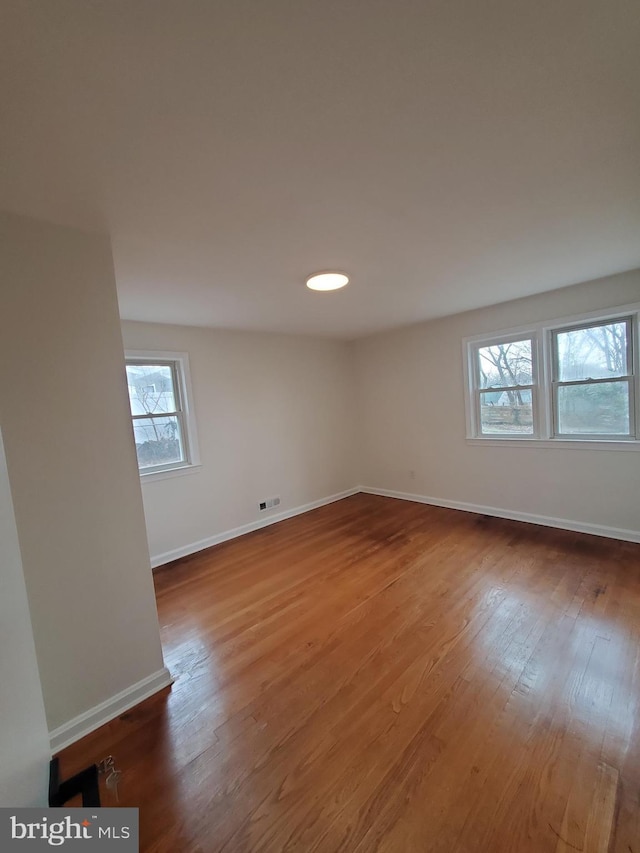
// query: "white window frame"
[[544, 426], [179, 364], [476, 390], [628, 377]]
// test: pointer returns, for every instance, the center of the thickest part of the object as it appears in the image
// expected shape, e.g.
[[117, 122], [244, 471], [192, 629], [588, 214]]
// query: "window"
[[505, 384], [593, 380], [163, 427], [571, 381]]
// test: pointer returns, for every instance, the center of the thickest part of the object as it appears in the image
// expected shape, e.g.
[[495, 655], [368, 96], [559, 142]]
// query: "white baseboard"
[[216, 539], [498, 512], [530, 518], [103, 713]]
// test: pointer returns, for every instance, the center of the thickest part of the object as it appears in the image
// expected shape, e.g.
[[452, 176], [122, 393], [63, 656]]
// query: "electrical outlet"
[[269, 503], [412, 475]]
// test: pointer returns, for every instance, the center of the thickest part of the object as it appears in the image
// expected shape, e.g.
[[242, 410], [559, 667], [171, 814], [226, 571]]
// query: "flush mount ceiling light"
[[327, 280]]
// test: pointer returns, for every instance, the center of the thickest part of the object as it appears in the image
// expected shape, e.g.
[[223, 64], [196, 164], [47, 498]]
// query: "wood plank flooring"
[[379, 675]]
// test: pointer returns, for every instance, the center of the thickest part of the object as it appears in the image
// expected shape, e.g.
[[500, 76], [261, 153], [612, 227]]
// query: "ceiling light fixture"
[[327, 280]]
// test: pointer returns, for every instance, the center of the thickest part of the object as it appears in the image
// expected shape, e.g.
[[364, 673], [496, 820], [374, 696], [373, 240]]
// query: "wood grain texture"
[[378, 675]]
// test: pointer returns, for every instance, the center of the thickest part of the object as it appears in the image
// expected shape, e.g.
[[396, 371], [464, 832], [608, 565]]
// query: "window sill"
[[170, 473], [556, 443]]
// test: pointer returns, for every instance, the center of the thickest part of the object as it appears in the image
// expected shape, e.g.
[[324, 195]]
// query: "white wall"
[[24, 739], [275, 416], [411, 418], [72, 468]]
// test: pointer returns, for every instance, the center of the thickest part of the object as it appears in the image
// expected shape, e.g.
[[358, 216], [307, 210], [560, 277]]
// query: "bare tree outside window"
[[505, 382], [575, 380], [593, 379], [155, 409]]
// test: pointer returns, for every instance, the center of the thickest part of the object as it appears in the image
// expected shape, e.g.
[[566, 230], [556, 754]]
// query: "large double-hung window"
[[593, 380], [505, 375], [570, 381]]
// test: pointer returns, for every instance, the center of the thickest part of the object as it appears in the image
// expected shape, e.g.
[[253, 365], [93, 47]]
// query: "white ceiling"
[[446, 154]]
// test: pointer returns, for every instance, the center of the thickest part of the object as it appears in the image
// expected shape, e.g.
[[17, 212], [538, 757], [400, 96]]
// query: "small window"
[[593, 380], [504, 386], [163, 430]]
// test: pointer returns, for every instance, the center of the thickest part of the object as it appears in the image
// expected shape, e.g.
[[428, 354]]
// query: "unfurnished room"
[[320, 426]]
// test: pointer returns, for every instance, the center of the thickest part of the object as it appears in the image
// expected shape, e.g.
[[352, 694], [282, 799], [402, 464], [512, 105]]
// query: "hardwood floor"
[[379, 675]]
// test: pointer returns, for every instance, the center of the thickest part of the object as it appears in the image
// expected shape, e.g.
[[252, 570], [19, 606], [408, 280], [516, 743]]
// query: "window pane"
[[600, 409], [158, 441], [150, 389], [506, 412], [596, 353], [505, 364]]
